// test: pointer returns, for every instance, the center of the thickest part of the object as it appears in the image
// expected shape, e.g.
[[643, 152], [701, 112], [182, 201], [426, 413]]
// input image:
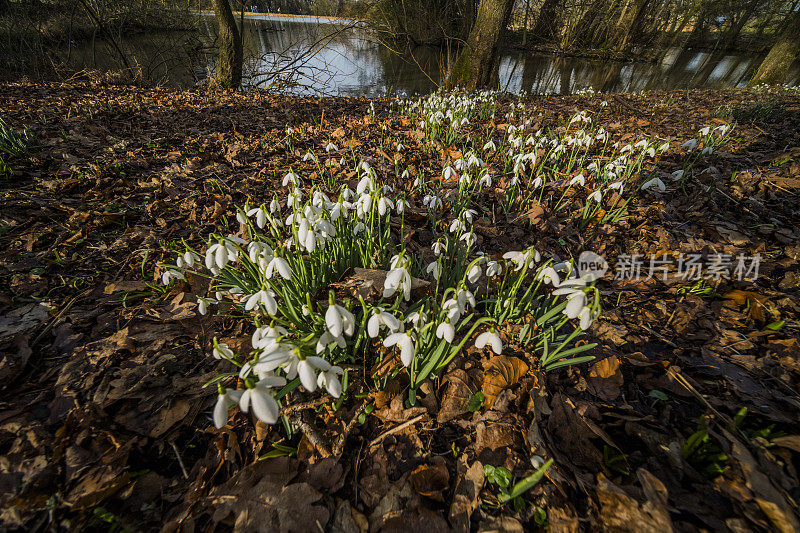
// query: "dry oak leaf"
[[261, 498], [605, 378], [758, 303], [501, 372], [431, 480]]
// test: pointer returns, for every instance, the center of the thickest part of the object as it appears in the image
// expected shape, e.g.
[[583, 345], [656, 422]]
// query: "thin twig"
[[180, 461], [338, 448], [397, 429], [312, 404], [311, 434]]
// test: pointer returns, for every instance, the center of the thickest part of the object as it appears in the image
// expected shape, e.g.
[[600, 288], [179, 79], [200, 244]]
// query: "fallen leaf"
[[501, 372]]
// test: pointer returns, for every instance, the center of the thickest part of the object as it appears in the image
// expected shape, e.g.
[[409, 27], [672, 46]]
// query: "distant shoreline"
[[282, 17]]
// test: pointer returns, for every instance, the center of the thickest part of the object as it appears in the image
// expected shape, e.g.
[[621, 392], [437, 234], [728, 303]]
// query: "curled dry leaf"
[[501, 372], [758, 303]]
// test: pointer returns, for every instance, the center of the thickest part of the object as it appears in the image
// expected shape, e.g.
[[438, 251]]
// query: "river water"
[[306, 56]]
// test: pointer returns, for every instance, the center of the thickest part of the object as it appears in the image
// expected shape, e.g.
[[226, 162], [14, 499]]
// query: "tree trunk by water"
[[776, 65], [479, 61], [229, 61], [546, 25], [738, 23]]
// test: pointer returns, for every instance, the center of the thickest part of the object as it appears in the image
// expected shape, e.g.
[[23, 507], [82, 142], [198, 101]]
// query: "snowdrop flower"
[[202, 304], [664, 147], [438, 247], [432, 202], [280, 265], [653, 184], [384, 205], [586, 317], [492, 339], [617, 185], [651, 152], [579, 179], [494, 268], [705, 131], [217, 256], [417, 318], [400, 147], [576, 300], [266, 337], [330, 147], [489, 146], [690, 144], [474, 273], [274, 206], [597, 196], [434, 269], [170, 274], [358, 228], [329, 379], [261, 216], [398, 280], [445, 331], [406, 343], [457, 226], [307, 370], [226, 399], [292, 178], [339, 320], [310, 156], [537, 183], [262, 298], [723, 129], [222, 351], [707, 150], [549, 275], [448, 172], [380, 319], [260, 397], [469, 238], [485, 181], [675, 176]]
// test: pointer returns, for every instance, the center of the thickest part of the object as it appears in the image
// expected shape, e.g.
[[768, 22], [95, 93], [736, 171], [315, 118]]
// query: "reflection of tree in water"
[[331, 59]]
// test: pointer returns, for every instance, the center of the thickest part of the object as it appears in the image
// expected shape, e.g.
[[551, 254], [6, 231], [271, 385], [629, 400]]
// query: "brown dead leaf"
[[460, 388], [605, 378], [758, 303], [501, 372], [431, 480]]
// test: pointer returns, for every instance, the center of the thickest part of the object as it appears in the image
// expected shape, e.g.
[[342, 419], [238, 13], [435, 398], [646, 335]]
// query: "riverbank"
[[685, 419]]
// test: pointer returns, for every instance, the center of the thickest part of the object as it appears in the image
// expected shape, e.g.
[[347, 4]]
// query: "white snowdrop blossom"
[[381, 319], [261, 399], [654, 184], [406, 343], [445, 331], [279, 265], [492, 339], [226, 399]]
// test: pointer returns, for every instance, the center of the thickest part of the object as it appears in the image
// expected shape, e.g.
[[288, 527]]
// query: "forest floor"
[[687, 419]]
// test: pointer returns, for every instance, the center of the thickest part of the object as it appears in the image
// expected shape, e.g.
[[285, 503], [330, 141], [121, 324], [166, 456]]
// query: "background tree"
[[776, 65], [229, 60], [479, 61]]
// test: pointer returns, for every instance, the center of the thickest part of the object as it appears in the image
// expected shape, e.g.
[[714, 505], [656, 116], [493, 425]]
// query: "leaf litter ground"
[[104, 422]]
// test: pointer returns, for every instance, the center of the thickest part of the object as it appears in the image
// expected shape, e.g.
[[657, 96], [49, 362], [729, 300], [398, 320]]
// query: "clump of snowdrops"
[[278, 271]]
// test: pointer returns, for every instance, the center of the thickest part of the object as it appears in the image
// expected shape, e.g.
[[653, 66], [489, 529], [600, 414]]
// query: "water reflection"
[[325, 58]]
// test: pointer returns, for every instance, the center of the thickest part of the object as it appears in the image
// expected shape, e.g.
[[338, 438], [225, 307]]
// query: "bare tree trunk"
[[229, 61], [738, 24], [545, 27], [479, 61], [776, 65], [525, 23]]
